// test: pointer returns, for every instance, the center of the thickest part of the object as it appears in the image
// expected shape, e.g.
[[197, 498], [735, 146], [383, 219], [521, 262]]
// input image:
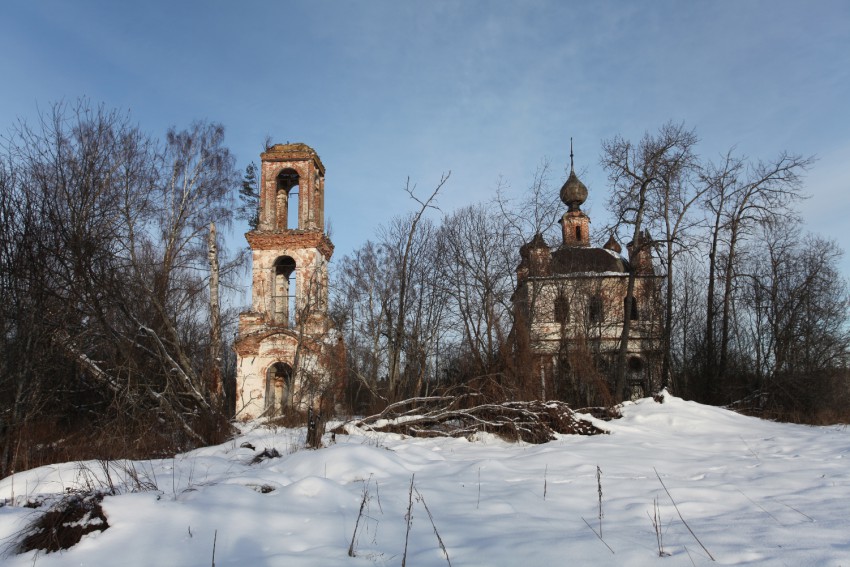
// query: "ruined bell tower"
[[283, 345]]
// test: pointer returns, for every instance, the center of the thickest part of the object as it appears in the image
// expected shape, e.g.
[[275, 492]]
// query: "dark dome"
[[613, 245], [573, 192], [571, 259], [536, 242]]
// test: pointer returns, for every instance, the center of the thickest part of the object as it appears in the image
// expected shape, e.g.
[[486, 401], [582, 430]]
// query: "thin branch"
[[599, 536], [680, 515]]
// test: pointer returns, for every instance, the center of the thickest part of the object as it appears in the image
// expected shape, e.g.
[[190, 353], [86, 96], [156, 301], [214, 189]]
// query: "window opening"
[[595, 309], [633, 311], [562, 309], [285, 290], [578, 233], [286, 195], [635, 364]]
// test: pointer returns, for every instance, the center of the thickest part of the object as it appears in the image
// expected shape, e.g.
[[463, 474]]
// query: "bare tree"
[[669, 215], [390, 304], [396, 334], [799, 304], [740, 196], [479, 277], [536, 212], [656, 162]]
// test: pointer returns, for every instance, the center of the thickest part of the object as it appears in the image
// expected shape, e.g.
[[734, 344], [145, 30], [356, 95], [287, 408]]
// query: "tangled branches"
[[461, 416]]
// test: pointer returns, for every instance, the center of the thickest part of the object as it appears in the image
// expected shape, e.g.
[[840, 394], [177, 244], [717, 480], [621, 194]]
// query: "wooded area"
[[107, 343]]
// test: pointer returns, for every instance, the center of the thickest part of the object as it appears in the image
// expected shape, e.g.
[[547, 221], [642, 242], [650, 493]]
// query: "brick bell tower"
[[283, 345]]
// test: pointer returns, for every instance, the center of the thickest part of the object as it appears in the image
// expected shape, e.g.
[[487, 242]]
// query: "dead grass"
[[56, 441]]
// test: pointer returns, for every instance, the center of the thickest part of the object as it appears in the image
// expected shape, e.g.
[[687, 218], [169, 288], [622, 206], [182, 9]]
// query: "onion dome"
[[573, 192], [613, 245], [538, 242], [534, 243]]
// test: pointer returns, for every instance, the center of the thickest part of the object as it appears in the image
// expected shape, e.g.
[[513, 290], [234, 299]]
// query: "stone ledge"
[[289, 240]]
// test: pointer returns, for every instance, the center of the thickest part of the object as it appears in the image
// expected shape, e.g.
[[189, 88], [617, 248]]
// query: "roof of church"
[[581, 259], [613, 245]]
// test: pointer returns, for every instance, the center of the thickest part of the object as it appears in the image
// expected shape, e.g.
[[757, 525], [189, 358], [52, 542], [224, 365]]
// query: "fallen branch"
[[463, 415]]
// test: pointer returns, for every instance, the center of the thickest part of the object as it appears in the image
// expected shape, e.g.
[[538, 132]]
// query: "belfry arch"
[[286, 199], [285, 293]]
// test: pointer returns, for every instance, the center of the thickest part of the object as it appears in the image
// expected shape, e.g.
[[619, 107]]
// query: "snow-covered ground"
[[753, 492]]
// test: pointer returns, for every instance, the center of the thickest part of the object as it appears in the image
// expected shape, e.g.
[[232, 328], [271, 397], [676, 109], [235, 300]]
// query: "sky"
[[387, 91]]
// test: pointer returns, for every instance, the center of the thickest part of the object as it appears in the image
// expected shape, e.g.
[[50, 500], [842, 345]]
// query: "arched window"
[[562, 309], [594, 311], [578, 233], [633, 311], [278, 387], [286, 199], [284, 292]]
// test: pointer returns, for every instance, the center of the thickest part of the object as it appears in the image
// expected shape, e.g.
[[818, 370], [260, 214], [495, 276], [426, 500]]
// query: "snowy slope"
[[753, 492]]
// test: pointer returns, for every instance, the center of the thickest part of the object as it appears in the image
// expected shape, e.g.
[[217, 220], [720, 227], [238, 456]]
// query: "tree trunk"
[[620, 381], [214, 385], [727, 306], [709, 371]]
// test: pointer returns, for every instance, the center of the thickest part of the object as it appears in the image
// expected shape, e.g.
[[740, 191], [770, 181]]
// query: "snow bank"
[[753, 492]]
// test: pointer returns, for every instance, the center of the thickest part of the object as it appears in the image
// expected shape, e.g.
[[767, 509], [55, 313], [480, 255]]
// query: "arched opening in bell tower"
[[284, 290], [278, 388], [286, 199]]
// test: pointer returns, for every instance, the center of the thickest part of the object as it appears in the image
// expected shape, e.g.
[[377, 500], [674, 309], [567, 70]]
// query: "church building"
[[570, 305], [285, 348]]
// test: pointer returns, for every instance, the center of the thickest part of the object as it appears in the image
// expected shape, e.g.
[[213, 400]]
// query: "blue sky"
[[384, 90]]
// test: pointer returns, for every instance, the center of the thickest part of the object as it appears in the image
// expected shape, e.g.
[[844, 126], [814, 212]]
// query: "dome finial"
[[571, 153]]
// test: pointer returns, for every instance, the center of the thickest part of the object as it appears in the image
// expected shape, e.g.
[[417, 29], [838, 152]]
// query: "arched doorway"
[[636, 382], [278, 388]]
